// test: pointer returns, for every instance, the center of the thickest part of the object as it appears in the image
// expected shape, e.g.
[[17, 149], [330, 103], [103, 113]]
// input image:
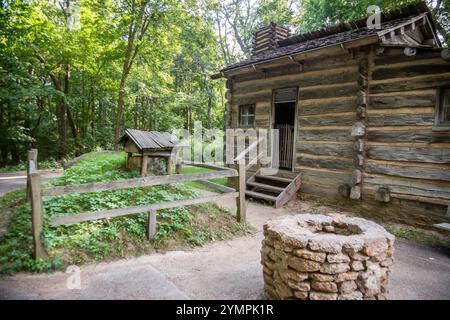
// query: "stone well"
[[319, 257]]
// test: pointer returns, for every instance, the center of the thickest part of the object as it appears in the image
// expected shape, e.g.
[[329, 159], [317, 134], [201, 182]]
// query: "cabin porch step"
[[259, 195], [278, 190], [264, 186]]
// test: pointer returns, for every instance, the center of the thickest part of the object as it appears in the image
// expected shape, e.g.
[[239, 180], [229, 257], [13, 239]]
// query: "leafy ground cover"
[[109, 238]]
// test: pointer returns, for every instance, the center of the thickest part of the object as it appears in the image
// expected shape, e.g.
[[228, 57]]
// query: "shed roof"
[[335, 35], [146, 140]]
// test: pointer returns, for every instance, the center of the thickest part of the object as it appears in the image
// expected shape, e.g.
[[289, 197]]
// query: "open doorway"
[[284, 120]]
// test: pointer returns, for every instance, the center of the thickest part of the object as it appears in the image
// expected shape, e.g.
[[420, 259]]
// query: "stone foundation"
[[318, 257]]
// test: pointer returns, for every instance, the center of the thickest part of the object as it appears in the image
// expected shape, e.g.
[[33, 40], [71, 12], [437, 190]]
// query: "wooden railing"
[[36, 192]]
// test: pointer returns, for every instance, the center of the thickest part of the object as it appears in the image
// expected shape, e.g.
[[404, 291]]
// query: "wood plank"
[[409, 154], [340, 90], [326, 149], [95, 215], [240, 200], [408, 170], [259, 195], [37, 211], [426, 98], [419, 135], [410, 71], [265, 186], [151, 232], [399, 58], [332, 135], [31, 155], [330, 105], [418, 187], [324, 177], [345, 119], [313, 78], [410, 83], [137, 182], [387, 119], [325, 162], [289, 192]]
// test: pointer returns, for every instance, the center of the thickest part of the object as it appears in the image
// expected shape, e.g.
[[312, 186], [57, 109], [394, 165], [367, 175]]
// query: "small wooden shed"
[[140, 145]]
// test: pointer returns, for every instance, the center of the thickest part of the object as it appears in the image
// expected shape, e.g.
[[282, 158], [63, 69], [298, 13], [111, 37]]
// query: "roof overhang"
[[297, 57]]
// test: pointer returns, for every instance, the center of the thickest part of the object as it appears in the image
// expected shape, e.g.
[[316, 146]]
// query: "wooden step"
[[265, 187], [259, 195], [274, 178]]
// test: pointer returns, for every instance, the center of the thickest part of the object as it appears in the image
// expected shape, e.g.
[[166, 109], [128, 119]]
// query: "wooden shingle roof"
[[338, 34], [150, 140]]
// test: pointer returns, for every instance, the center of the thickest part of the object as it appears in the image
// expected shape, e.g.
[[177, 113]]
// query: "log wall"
[[393, 96]]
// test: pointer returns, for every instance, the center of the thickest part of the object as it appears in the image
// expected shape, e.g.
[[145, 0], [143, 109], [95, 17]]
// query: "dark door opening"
[[284, 121]]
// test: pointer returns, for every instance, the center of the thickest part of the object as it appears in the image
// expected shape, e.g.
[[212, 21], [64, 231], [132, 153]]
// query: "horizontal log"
[[324, 177], [410, 71], [320, 190], [252, 97], [439, 201], [263, 109], [400, 57], [342, 90], [303, 79], [401, 119], [95, 215], [401, 111], [327, 149], [262, 123], [432, 155], [411, 83], [324, 162], [402, 99], [424, 135], [346, 119], [410, 186], [409, 171], [318, 107], [333, 135], [137, 182]]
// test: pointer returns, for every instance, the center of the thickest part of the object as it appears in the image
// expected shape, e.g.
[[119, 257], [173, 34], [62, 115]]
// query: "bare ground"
[[219, 270]]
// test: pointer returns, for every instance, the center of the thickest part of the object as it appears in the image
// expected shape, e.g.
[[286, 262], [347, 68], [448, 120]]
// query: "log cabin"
[[363, 114]]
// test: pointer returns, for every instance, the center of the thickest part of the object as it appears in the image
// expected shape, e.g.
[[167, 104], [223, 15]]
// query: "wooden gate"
[[286, 139]]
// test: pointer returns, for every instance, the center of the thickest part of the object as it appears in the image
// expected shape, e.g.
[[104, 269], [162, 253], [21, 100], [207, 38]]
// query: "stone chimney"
[[266, 38]]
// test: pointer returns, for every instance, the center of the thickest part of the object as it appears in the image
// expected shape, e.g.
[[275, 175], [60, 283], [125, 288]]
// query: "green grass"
[[420, 236], [108, 238], [191, 169]]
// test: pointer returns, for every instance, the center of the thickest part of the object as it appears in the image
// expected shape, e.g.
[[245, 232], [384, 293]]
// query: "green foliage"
[[107, 238]]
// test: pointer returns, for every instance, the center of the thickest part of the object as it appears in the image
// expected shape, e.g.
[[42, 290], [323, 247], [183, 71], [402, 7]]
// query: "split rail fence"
[[35, 192]]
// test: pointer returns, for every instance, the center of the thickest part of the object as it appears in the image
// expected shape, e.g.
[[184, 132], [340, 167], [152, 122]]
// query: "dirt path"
[[220, 270], [14, 181]]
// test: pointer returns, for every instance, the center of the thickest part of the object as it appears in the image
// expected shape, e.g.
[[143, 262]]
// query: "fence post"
[[144, 165], [37, 210], [240, 200], [151, 224], [31, 155]]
